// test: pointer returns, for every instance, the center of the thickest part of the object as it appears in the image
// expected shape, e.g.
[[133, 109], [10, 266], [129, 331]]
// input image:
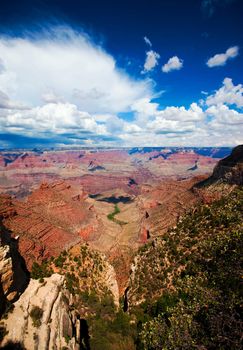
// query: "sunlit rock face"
[[43, 317]]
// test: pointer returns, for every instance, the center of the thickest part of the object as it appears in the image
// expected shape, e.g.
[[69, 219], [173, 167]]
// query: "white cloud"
[[67, 64], [151, 61], [144, 109], [228, 94], [6, 103], [2, 68], [223, 115], [51, 97], [66, 88], [56, 118], [147, 41], [181, 114], [222, 58], [204, 92], [174, 63], [218, 125], [161, 125]]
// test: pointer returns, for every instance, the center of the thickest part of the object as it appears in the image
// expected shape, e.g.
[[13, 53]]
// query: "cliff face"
[[7, 275], [13, 274], [227, 175], [52, 219], [43, 317], [230, 169]]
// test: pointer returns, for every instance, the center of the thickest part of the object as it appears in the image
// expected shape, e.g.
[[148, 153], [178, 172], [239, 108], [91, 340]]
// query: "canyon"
[[89, 214], [53, 200]]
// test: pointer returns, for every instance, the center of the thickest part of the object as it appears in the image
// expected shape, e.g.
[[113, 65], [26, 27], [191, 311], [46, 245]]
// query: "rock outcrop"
[[6, 276], [227, 175], [230, 169], [13, 274], [43, 317]]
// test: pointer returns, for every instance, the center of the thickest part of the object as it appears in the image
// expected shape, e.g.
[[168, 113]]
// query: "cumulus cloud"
[[222, 58], [164, 126], [55, 118], [144, 109], [147, 41], [66, 63], [215, 125], [193, 114], [223, 115], [174, 63], [63, 87], [228, 94], [151, 61]]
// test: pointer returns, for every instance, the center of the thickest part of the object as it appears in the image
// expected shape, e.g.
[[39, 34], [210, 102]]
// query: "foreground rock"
[[41, 318], [13, 274]]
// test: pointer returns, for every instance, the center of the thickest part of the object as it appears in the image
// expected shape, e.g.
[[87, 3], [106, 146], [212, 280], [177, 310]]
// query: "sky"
[[121, 73]]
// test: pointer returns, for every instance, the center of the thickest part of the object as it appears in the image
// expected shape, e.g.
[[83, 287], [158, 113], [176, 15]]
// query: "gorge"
[[120, 242]]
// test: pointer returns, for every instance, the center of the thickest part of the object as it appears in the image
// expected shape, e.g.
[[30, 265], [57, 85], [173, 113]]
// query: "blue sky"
[[124, 73]]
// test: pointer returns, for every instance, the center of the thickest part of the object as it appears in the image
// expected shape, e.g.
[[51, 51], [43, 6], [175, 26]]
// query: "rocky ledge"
[[230, 169], [43, 317]]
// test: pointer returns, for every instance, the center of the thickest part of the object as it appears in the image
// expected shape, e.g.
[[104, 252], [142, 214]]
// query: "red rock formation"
[[24, 171], [49, 221], [7, 209], [97, 183], [165, 203]]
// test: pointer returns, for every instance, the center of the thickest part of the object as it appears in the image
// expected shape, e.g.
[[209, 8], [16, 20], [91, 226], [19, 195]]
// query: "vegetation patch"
[[36, 315], [39, 271], [191, 281], [112, 215]]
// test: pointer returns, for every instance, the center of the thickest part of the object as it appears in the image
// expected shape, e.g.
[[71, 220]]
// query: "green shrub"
[[60, 261], [36, 314], [41, 270]]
